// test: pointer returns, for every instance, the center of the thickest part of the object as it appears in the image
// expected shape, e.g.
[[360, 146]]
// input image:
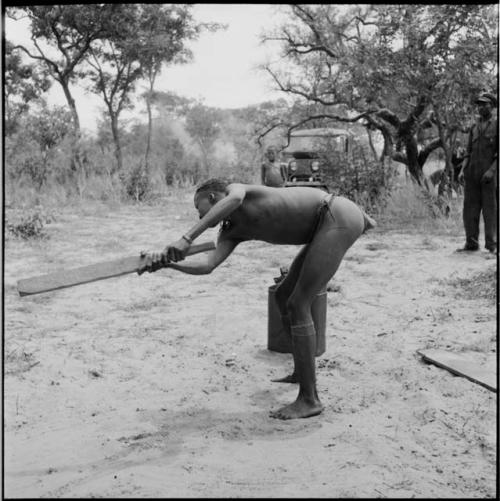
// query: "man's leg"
[[321, 261], [471, 214], [282, 294], [490, 214]]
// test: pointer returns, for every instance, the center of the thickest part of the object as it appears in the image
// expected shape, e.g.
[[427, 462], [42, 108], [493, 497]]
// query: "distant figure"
[[479, 171], [271, 172]]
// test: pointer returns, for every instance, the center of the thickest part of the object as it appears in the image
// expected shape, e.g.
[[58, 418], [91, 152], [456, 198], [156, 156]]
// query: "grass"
[[486, 343], [482, 285], [408, 208], [18, 360]]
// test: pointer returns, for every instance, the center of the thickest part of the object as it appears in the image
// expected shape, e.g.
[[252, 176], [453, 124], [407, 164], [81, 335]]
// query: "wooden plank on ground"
[[480, 369]]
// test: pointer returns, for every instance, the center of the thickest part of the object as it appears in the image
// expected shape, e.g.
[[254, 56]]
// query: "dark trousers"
[[479, 197]]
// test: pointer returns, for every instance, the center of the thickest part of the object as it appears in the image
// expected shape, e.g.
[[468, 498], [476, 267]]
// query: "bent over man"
[[324, 224]]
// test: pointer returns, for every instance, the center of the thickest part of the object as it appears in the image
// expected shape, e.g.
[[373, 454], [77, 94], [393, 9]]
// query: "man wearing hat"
[[479, 171]]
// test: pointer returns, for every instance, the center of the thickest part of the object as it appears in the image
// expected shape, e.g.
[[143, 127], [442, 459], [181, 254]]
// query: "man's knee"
[[298, 307]]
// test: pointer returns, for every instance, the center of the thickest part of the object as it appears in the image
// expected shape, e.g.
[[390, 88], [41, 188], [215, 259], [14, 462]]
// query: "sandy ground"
[[120, 388]]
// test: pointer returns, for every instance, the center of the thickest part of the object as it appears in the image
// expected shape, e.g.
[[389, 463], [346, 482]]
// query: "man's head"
[[209, 193], [485, 104]]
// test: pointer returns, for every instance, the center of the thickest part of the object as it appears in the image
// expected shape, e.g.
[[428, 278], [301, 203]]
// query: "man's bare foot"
[[301, 408], [291, 378]]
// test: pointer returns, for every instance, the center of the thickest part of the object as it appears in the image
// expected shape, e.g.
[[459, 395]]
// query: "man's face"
[[204, 201], [484, 109], [271, 155]]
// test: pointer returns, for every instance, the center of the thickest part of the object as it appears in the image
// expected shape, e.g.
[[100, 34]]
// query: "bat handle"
[[194, 249]]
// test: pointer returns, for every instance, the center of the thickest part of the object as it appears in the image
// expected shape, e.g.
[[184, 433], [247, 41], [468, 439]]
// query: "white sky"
[[223, 72]]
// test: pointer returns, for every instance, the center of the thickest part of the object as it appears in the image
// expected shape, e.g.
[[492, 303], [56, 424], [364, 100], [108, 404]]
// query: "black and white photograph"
[[250, 250]]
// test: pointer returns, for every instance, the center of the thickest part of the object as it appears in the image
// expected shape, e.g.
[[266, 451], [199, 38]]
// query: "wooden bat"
[[91, 273]]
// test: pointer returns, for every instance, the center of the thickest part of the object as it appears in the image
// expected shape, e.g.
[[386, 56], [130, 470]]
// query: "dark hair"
[[213, 184]]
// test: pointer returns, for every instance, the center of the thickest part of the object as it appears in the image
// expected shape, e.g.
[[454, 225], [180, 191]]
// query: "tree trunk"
[[150, 128], [447, 177], [116, 140], [414, 167], [76, 163], [372, 146]]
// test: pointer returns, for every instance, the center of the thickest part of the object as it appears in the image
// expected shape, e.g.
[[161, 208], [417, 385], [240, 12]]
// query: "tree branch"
[[428, 149], [39, 58]]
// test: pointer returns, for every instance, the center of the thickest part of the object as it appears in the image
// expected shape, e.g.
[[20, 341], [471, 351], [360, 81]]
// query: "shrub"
[[28, 223], [136, 182], [410, 207], [358, 177]]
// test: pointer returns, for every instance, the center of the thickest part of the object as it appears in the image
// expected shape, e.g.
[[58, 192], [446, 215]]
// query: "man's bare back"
[[274, 215]]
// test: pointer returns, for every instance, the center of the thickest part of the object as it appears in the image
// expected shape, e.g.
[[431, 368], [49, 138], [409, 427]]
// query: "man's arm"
[[489, 175], [212, 259], [263, 173]]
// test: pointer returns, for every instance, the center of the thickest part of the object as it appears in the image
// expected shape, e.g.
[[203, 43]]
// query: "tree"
[[161, 38], [202, 124], [139, 40], [387, 66], [32, 149], [24, 83], [61, 36], [114, 68]]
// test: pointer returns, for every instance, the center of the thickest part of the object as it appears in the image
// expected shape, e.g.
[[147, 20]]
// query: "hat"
[[486, 97]]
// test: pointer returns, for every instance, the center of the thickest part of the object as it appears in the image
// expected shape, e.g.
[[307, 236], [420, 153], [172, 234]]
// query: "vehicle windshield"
[[315, 143]]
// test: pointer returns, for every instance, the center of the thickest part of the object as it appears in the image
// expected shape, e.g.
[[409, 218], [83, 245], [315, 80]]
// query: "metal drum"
[[277, 338]]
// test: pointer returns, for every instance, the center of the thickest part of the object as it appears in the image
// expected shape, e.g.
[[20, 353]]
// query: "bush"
[[136, 182], [358, 177], [409, 207], [28, 223]]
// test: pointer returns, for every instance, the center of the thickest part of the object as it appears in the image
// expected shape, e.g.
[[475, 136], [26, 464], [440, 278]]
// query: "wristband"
[[187, 239]]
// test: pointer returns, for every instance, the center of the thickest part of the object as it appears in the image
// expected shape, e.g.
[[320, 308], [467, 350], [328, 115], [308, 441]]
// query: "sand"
[[160, 385]]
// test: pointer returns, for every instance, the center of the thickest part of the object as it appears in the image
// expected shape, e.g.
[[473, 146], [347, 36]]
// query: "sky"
[[224, 72]]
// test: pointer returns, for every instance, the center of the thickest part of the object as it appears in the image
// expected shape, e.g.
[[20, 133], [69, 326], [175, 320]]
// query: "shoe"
[[492, 250], [467, 249]]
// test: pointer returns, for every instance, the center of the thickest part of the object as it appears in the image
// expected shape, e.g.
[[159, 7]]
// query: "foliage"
[[61, 36], [32, 151], [171, 103], [357, 175], [24, 84], [28, 223], [136, 182], [48, 126], [388, 67], [111, 46], [408, 207], [163, 31], [202, 123]]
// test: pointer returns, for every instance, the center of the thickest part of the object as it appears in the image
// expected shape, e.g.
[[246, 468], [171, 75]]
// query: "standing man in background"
[[271, 172], [479, 171]]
